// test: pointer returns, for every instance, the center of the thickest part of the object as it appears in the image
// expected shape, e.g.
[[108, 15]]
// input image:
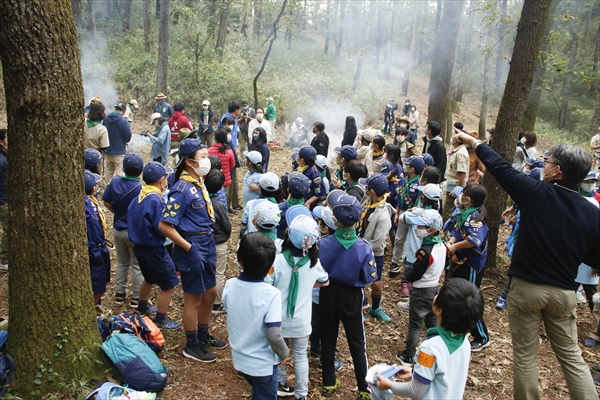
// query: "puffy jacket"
[[227, 161], [119, 134], [177, 121]]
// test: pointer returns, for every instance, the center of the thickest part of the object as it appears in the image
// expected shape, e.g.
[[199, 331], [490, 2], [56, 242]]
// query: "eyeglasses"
[[546, 162]]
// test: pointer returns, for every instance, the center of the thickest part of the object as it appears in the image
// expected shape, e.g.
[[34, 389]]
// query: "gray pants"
[[421, 301], [126, 260], [400, 240]]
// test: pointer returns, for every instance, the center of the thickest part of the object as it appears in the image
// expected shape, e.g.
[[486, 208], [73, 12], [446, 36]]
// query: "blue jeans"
[[298, 349], [263, 387]]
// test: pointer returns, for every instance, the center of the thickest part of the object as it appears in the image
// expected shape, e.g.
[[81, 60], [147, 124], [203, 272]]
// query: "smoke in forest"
[[97, 71]]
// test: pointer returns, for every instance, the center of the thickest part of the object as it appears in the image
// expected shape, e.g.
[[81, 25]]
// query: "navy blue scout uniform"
[[298, 185], [349, 153], [350, 263], [409, 194], [97, 250], [120, 191], [145, 213]]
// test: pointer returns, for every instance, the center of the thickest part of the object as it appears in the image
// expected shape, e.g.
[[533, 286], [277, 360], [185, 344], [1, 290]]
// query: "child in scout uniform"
[[297, 186], [188, 219], [269, 191], [350, 263], [117, 196], [442, 360], [306, 158], [96, 234], [266, 218], [91, 158], [344, 155], [251, 188], [144, 214]]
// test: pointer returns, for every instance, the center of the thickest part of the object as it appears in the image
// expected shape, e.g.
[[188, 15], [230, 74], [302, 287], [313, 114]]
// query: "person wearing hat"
[[117, 196], [266, 219], [128, 113], [205, 123], [95, 135], [403, 122], [476, 167], [343, 155], [178, 121], [156, 265], [247, 114], [350, 264], [388, 116], [297, 187], [374, 227], [296, 270], [225, 154], [119, 135], [251, 188], [269, 191], [161, 139], [533, 163], [96, 237], [260, 122], [92, 158], [162, 106], [306, 157], [363, 144], [187, 220], [258, 143], [271, 115], [456, 174], [86, 109], [299, 134]]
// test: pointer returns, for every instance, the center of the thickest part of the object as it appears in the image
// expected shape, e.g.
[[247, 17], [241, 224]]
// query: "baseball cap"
[[325, 214], [206, 103], [303, 231], [295, 211], [428, 158], [307, 152], [367, 134], [429, 218], [188, 147], [377, 182], [90, 180], [596, 154], [534, 162], [266, 214], [386, 168], [535, 173], [153, 171], [269, 181], [244, 101], [133, 160], [416, 162], [270, 99], [321, 161], [134, 103], [254, 156], [345, 208], [298, 184], [431, 191], [347, 151], [547, 154], [154, 116], [121, 106], [91, 156], [591, 175]]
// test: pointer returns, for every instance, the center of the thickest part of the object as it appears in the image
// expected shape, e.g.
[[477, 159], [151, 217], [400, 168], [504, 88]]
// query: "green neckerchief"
[[464, 214], [323, 174], [352, 185], [269, 233], [435, 239], [91, 124], [130, 178], [292, 202], [271, 199], [293, 293], [115, 112], [452, 340], [213, 194], [406, 186], [346, 236], [590, 194], [159, 128]]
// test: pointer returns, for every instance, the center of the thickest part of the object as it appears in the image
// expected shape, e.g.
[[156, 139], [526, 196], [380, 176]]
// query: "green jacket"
[[271, 112]]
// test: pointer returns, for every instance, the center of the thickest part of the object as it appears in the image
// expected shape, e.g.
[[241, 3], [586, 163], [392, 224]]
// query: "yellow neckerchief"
[[302, 169], [188, 178], [378, 153], [148, 190], [369, 205], [94, 200]]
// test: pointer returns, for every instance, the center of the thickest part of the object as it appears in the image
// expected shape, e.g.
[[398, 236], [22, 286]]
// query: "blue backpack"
[[137, 364]]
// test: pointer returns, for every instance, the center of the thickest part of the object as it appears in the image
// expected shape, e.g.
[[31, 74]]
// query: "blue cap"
[[432, 191], [303, 232], [347, 151], [188, 147], [133, 160], [153, 171], [90, 180], [346, 209], [535, 173], [269, 181], [386, 168], [591, 175], [416, 162], [321, 161], [267, 215], [91, 156], [428, 158], [534, 162], [547, 154], [377, 182], [298, 184], [307, 152], [429, 218], [325, 214], [295, 211], [254, 156]]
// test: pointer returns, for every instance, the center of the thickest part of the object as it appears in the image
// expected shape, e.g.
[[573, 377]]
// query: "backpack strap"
[[9, 374]]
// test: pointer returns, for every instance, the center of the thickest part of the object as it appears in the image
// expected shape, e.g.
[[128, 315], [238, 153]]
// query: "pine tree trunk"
[[443, 63], [465, 60], [127, 16], [51, 311], [410, 62], [91, 8], [530, 32], [568, 81], [438, 17], [485, 94], [163, 47], [147, 25], [220, 46], [244, 26], [76, 5], [327, 22]]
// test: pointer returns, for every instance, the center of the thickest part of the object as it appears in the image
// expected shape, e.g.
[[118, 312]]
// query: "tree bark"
[[157, 8], [485, 94], [147, 25], [595, 88], [568, 81], [244, 22], [91, 8], [40, 63], [438, 15], [338, 49], [257, 19], [327, 22], [357, 74], [530, 32], [127, 16], [500, 48], [76, 5], [443, 63], [465, 60], [163, 47], [411, 50], [220, 46]]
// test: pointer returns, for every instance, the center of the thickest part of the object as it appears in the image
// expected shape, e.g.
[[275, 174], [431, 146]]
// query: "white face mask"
[[259, 117], [203, 167], [523, 140], [587, 187], [402, 125], [421, 233], [229, 137], [461, 201]]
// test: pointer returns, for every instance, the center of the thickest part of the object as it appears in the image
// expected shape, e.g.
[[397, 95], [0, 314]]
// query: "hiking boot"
[[213, 342], [167, 325], [406, 361], [199, 354], [366, 304], [120, 299], [501, 304], [379, 314], [478, 346], [218, 309], [404, 290], [328, 391], [403, 305], [364, 395], [285, 390], [394, 270]]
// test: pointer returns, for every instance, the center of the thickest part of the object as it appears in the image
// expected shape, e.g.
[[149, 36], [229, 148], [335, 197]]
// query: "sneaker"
[[379, 314], [218, 309], [241, 376], [198, 353], [580, 297], [406, 361], [167, 325], [364, 395], [214, 343], [589, 342], [403, 305], [120, 299], [149, 311], [337, 365], [478, 346], [328, 391], [394, 270], [597, 381], [285, 390], [596, 368], [405, 290], [501, 303], [366, 304], [134, 302]]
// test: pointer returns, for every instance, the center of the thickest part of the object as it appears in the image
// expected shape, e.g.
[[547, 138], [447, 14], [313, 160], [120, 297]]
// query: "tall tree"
[[568, 81], [595, 88], [127, 15], [500, 63], [411, 49], [379, 37], [147, 5], [91, 11], [530, 32], [220, 46], [163, 47], [485, 94], [340, 40], [465, 60], [443, 63], [390, 50], [40, 63], [76, 5], [257, 19], [327, 23]]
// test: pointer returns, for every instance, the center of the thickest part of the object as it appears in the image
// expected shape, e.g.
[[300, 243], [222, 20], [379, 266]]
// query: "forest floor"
[[490, 373]]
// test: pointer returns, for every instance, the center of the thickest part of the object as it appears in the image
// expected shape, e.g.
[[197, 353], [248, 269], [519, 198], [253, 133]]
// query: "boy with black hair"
[[353, 171], [221, 232], [442, 360], [374, 227], [344, 155], [254, 317], [375, 156], [306, 158]]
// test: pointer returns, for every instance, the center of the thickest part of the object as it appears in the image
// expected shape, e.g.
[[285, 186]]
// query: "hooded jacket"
[[119, 133]]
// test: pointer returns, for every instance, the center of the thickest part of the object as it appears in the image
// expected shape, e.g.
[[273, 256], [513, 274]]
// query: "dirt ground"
[[490, 375]]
